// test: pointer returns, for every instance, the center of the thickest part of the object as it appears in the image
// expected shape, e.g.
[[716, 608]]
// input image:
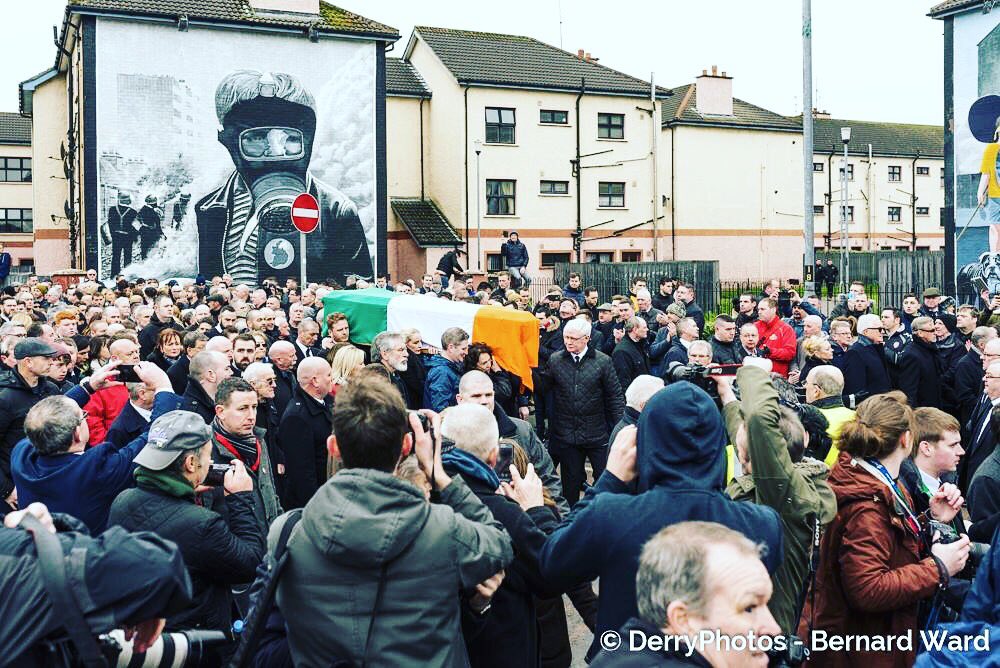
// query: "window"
[[631, 256], [850, 172], [895, 173], [895, 214], [850, 213], [16, 221], [923, 171], [15, 170], [494, 262], [611, 194], [611, 126], [942, 177], [923, 211], [550, 259], [817, 166], [818, 208], [553, 117], [499, 125], [500, 197], [553, 187], [598, 257]]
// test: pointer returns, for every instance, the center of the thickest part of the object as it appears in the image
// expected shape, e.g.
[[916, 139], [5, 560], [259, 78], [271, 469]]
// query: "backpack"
[[263, 592]]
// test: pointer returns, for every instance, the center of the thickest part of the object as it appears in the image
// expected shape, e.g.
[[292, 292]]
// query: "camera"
[[184, 648], [216, 475], [791, 652], [700, 375], [424, 422]]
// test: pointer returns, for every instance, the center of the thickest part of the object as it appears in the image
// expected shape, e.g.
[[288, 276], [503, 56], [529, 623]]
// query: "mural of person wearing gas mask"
[[121, 232], [150, 226], [268, 124]]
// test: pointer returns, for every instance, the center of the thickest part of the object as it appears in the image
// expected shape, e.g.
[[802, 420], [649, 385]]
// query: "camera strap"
[[52, 568], [810, 580]]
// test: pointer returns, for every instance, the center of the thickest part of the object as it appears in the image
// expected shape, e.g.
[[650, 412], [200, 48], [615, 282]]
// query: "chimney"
[[286, 6], [821, 114], [579, 54], [713, 94]]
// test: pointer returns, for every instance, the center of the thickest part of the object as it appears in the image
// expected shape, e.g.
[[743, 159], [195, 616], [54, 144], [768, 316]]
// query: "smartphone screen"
[[127, 374], [504, 460]]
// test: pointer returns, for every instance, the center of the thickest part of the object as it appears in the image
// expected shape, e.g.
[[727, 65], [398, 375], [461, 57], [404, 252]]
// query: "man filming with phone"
[[509, 636], [218, 552]]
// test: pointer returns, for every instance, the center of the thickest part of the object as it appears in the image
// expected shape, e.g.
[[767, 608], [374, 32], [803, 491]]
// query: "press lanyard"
[[911, 519]]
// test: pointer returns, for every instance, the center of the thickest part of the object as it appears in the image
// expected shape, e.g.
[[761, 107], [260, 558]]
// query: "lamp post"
[[845, 267], [479, 202]]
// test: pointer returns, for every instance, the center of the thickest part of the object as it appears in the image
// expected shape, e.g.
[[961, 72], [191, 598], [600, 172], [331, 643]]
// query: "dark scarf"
[[469, 465], [167, 482], [247, 448]]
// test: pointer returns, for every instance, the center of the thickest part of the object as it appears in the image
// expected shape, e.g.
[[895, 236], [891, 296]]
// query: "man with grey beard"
[[389, 350]]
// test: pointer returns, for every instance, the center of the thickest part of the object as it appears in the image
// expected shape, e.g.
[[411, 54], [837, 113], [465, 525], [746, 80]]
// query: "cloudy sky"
[[872, 60]]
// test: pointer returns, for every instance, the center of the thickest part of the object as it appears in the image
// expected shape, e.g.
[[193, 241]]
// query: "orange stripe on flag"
[[513, 335]]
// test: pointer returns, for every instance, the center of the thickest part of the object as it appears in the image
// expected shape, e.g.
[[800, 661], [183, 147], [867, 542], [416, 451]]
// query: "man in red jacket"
[[777, 340], [105, 405]]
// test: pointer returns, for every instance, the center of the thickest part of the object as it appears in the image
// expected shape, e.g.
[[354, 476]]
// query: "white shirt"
[[932, 484], [580, 355], [145, 413], [987, 421]]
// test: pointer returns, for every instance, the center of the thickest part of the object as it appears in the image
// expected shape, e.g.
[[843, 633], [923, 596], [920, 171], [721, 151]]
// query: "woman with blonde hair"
[[347, 361], [878, 558], [818, 351]]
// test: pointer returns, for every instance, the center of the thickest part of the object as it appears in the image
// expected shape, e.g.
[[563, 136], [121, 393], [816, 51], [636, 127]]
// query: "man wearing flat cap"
[[932, 303], [53, 464], [171, 468]]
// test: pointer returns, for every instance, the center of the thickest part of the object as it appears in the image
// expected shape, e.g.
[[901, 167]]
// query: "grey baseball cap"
[[172, 434]]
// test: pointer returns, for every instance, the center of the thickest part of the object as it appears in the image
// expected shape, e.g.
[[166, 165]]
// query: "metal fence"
[[917, 269]]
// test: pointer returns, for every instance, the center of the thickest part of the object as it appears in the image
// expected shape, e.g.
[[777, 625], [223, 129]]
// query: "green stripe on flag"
[[365, 311]]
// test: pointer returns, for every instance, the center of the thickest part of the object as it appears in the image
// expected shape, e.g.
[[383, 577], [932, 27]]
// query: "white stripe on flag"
[[306, 213], [431, 316]]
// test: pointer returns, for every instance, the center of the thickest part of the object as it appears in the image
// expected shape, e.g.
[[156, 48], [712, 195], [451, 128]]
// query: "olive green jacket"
[[798, 492]]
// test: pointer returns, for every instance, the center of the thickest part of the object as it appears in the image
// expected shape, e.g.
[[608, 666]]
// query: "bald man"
[[282, 356], [224, 345], [304, 428]]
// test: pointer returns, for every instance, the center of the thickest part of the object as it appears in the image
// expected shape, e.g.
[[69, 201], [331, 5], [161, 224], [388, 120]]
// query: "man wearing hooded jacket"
[[678, 457]]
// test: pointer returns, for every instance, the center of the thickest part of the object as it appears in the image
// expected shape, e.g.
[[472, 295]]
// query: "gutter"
[[421, 148], [829, 199], [465, 149], [578, 239], [556, 89]]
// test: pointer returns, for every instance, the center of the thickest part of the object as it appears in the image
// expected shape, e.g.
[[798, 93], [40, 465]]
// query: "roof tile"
[[522, 62], [425, 222], [331, 19], [900, 139], [952, 5], [402, 78], [14, 128], [744, 114]]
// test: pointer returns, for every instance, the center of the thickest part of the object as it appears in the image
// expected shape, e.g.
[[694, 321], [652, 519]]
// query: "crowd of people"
[[793, 468]]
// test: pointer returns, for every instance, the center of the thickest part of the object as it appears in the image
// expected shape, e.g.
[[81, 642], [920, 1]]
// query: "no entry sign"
[[305, 213]]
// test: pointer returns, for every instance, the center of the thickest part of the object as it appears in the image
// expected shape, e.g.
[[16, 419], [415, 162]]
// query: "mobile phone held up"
[[504, 460], [127, 374]]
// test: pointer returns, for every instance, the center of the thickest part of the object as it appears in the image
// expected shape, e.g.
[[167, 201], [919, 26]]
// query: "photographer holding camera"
[[219, 552], [770, 442]]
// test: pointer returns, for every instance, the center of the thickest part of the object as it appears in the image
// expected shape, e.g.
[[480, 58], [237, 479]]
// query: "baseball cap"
[[36, 347], [869, 321], [931, 292], [169, 436], [677, 310]]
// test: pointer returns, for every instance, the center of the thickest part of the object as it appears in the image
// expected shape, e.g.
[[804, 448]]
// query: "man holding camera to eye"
[[218, 552]]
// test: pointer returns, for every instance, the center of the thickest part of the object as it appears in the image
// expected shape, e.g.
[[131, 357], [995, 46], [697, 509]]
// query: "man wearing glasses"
[[919, 374], [865, 366], [978, 432]]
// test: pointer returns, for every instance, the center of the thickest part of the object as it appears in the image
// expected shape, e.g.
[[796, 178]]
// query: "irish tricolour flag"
[[513, 335]]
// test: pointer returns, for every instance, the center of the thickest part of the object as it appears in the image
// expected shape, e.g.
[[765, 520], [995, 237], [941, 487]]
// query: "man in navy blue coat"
[[134, 418], [865, 367], [678, 462]]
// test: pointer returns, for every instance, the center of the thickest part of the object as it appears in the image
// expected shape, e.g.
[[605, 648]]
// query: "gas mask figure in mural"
[[120, 232], [245, 229], [150, 226]]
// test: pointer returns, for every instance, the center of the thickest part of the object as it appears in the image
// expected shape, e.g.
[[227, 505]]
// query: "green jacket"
[[798, 492], [360, 522]]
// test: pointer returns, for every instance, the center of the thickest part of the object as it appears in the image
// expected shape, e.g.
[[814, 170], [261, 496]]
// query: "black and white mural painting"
[[204, 139]]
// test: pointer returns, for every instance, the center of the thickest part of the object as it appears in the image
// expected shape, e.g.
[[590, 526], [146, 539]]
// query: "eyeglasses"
[[926, 331], [989, 377]]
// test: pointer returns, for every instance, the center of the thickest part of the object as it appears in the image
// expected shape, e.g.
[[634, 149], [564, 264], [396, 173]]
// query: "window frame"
[[895, 214], [551, 182], [923, 171], [818, 167], [850, 172], [850, 212], [5, 220], [819, 209], [610, 254], [610, 195], [637, 253], [494, 261], [895, 173], [500, 125], [548, 265], [6, 169], [552, 112], [922, 211], [605, 124], [512, 197]]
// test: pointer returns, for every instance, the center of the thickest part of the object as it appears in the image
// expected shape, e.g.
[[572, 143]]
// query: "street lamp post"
[[845, 267], [479, 202]]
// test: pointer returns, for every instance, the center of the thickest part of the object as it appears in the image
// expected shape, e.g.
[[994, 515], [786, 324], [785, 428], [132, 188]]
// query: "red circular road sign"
[[305, 213]]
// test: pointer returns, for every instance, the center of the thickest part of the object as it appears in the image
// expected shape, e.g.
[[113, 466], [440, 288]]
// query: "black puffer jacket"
[[16, 399], [587, 400], [630, 359], [216, 554]]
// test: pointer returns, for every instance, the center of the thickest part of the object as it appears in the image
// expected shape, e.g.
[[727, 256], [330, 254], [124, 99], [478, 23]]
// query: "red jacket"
[[871, 576], [102, 409], [780, 339]]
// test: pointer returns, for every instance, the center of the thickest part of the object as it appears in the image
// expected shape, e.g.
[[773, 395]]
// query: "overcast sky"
[[872, 60]]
